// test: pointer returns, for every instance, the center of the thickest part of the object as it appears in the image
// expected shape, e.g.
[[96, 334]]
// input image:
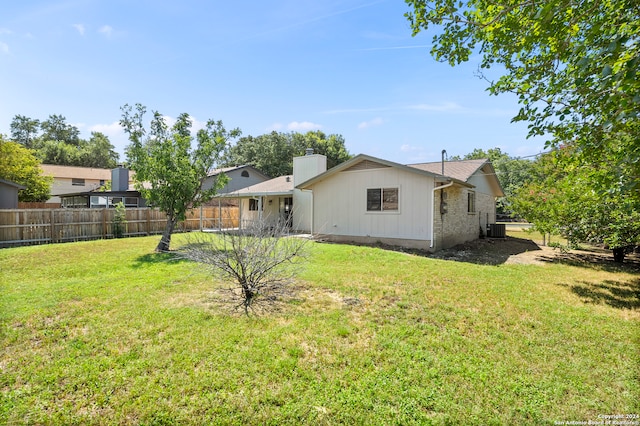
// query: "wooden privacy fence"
[[43, 226]]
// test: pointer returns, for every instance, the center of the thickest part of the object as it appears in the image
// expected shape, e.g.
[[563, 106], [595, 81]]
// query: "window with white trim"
[[382, 199]]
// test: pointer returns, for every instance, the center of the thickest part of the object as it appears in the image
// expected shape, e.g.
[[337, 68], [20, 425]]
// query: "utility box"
[[497, 230]]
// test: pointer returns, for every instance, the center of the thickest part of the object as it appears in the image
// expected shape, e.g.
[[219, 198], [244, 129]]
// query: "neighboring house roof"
[[215, 172], [76, 172], [282, 185], [13, 184], [363, 161]]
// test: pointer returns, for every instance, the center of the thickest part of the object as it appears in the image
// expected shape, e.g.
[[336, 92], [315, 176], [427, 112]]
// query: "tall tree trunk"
[[618, 254], [165, 241]]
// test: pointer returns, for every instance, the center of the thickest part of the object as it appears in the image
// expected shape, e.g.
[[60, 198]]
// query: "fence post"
[[148, 221], [52, 226], [104, 224]]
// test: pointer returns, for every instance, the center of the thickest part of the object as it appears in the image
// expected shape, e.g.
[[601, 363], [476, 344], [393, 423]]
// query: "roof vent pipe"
[[308, 151], [444, 152]]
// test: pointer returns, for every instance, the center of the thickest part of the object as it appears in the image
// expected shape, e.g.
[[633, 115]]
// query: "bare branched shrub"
[[260, 260]]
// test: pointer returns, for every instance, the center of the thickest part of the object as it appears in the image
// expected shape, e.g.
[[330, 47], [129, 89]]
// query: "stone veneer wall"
[[458, 225]]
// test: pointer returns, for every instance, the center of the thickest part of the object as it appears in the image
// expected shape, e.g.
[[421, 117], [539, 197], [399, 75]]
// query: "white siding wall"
[[302, 213], [340, 205]]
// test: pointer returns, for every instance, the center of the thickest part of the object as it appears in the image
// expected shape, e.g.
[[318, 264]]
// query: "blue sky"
[[341, 66]]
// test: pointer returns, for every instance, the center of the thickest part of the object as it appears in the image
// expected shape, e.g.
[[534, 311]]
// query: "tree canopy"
[[169, 170], [273, 153], [568, 196], [573, 64], [19, 164], [57, 142], [512, 172]]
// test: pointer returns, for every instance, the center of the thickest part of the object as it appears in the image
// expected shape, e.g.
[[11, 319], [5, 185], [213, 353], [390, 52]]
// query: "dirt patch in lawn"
[[522, 251]]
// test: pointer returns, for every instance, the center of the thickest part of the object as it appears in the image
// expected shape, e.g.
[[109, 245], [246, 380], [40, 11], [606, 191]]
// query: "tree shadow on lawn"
[[596, 258], [156, 258], [617, 294], [488, 251]]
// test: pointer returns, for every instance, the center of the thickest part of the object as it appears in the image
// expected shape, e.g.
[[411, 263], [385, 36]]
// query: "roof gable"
[[366, 165], [12, 184], [366, 162]]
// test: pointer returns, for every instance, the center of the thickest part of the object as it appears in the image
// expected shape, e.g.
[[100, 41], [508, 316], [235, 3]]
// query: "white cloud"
[[4, 47], [113, 129], [303, 126], [371, 123], [80, 28], [5, 31], [106, 30]]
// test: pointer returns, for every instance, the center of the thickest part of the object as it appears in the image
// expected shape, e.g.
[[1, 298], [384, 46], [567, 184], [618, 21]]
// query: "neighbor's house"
[[369, 200], [9, 194], [274, 200], [72, 179], [239, 177], [122, 191]]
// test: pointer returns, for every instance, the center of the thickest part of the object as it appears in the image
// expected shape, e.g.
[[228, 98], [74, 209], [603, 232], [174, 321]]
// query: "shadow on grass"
[[156, 258], [595, 258], [488, 251], [617, 294]]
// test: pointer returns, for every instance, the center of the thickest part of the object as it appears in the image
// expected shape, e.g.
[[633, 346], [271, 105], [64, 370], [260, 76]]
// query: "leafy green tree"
[[55, 128], [567, 196], [573, 64], [98, 152], [332, 146], [24, 130], [169, 171], [273, 153], [59, 153], [512, 172], [61, 144], [18, 164]]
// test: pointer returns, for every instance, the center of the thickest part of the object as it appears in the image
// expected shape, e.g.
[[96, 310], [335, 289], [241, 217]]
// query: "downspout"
[[433, 208]]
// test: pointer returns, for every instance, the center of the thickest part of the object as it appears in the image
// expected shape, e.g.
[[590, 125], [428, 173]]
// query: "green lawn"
[[106, 332]]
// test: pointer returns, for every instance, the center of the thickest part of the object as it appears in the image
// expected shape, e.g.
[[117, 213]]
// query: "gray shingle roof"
[[282, 185], [461, 170]]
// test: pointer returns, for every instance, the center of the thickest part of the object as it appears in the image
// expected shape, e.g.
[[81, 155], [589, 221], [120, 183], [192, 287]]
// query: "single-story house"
[[9, 194], [368, 199]]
